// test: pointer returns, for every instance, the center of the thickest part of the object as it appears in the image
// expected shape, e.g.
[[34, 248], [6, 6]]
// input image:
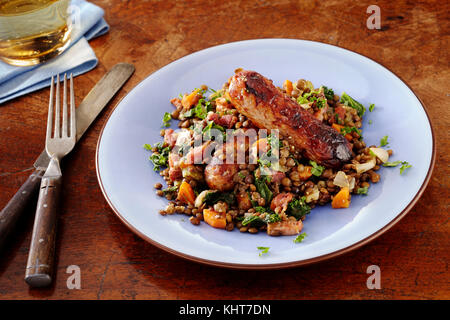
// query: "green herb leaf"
[[346, 130], [329, 93], [316, 169], [405, 165], [363, 191], [207, 130], [263, 189], [349, 101], [298, 208], [254, 221], [392, 164], [300, 237], [160, 157], [272, 218], [166, 119], [370, 121], [371, 107], [200, 110], [213, 197], [170, 189], [384, 141], [263, 250], [302, 100]]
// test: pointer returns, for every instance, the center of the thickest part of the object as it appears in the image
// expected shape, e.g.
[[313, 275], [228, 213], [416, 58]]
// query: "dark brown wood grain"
[[116, 264], [41, 256], [11, 213]]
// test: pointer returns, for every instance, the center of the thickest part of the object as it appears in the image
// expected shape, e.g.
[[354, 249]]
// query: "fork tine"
[[57, 111], [50, 111], [64, 132], [73, 124]]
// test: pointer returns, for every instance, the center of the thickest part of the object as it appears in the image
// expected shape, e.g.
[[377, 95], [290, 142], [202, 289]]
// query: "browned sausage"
[[267, 107]]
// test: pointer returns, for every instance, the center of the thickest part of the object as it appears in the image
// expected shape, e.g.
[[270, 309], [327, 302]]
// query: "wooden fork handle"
[[16, 206], [39, 272]]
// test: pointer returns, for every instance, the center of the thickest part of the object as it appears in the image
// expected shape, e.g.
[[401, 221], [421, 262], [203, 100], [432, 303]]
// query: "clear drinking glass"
[[33, 31]]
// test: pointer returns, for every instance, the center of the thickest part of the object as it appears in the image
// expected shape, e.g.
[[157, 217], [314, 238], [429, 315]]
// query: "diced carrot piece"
[[287, 85], [215, 219], [305, 174], [341, 199], [338, 128], [190, 99], [185, 193]]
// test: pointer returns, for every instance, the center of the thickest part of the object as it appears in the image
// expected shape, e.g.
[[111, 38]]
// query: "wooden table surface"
[[116, 264]]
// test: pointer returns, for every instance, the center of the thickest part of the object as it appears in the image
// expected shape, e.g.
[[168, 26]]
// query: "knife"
[[86, 112]]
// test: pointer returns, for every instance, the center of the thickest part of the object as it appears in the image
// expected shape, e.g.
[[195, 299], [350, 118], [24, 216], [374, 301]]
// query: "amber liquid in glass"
[[33, 31]]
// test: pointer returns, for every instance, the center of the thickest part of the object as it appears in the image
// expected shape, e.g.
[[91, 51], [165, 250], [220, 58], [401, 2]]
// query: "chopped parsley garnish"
[[346, 130], [170, 189], [166, 119], [254, 221], [200, 110], [160, 159], [370, 121], [207, 130], [263, 250], [349, 101], [300, 237], [329, 93], [363, 191], [216, 94], [316, 169], [392, 164], [216, 196], [371, 107], [298, 208], [241, 175], [404, 165], [320, 103], [302, 100], [384, 141], [263, 189], [272, 218]]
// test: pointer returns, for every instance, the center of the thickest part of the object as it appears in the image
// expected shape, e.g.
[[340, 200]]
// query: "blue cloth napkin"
[[77, 59]]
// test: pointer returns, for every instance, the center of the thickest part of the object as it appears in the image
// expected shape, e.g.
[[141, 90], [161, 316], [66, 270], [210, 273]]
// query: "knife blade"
[[86, 112]]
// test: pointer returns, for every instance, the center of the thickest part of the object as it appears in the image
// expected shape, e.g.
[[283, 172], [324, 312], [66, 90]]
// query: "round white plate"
[[127, 177]]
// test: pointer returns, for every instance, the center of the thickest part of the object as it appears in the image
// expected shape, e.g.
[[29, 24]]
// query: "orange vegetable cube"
[[186, 193], [341, 199], [338, 128], [287, 85], [306, 173], [190, 99], [215, 219]]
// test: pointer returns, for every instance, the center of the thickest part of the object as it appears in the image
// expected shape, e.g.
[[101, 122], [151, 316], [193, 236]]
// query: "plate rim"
[[282, 265]]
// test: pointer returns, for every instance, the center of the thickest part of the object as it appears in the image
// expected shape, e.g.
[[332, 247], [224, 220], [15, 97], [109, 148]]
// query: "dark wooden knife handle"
[[16, 206], [39, 272]]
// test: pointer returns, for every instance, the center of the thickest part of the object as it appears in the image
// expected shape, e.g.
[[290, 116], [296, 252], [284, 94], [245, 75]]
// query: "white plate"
[[126, 176]]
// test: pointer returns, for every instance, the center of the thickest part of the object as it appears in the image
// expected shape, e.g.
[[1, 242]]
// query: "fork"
[[39, 271]]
